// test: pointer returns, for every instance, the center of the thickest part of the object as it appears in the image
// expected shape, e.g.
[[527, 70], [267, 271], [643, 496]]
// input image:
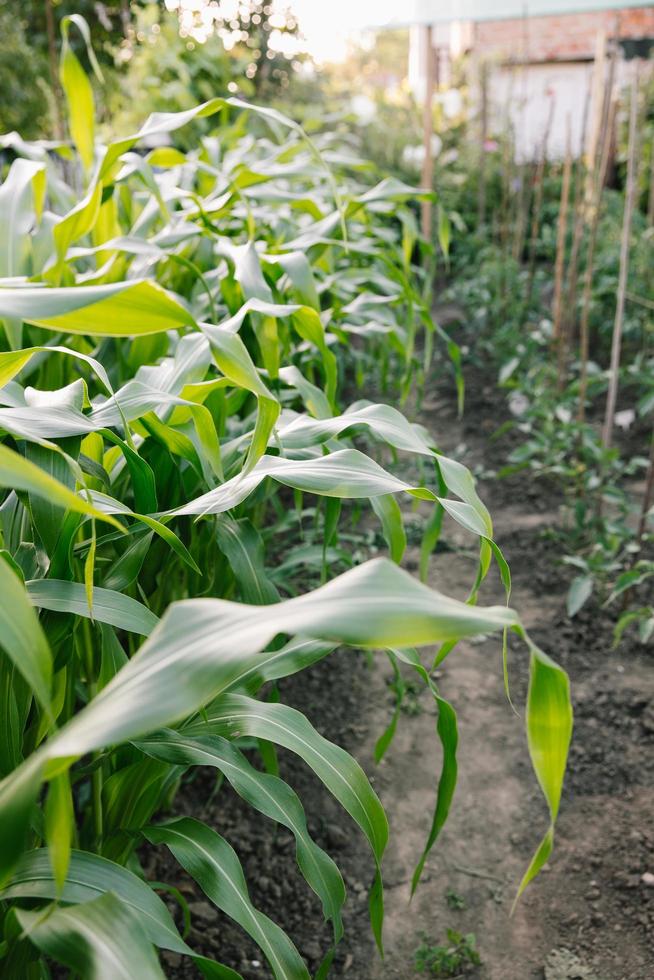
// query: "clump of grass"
[[456, 957], [454, 900]]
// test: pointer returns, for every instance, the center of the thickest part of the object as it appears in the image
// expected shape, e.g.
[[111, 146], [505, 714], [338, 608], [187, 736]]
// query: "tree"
[[24, 103], [265, 35]]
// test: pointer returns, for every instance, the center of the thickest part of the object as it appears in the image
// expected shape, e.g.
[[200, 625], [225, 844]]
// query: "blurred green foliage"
[[24, 94]]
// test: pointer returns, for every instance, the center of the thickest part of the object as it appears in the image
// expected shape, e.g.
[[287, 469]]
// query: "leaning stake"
[[557, 331], [612, 393], [595, 205]]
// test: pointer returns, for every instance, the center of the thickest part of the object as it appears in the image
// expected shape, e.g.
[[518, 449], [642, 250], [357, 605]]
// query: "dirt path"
[[591, 914]]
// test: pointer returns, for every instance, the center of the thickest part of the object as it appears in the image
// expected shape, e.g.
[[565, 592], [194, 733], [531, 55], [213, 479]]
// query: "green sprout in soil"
[[454, 959], [454, 900]]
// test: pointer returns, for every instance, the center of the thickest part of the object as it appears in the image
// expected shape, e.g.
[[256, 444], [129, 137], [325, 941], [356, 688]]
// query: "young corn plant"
[[177, 332]]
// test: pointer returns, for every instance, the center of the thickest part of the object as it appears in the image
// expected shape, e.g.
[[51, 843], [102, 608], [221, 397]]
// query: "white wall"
[[528, 92]]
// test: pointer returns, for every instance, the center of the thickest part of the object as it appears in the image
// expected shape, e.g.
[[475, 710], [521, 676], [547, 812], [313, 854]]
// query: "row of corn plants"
[[178, 331]]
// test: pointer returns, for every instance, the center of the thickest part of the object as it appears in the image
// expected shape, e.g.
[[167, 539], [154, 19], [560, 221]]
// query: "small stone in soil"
[[336, 836], [202, 910]]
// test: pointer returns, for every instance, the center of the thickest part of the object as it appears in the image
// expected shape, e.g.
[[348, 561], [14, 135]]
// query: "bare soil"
[[590, 914]]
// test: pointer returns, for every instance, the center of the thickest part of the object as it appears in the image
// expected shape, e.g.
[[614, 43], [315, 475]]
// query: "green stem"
[[97, 776]]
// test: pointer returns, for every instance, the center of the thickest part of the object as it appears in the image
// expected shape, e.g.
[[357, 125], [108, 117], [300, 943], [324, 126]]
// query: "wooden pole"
[[630, 194], [54, 69], [539, 180], [650, 198], [522, 168], [595, 133], [559, 264], [483, 134], [428, 130], [598, 168], [578, 225], [648, 496]]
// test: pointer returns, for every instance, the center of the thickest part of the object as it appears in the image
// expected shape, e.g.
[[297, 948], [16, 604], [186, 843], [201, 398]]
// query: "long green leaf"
[[236, 715], [549, 730], [21, 636], [215, 866], [212, 641], [89, 877], [101, 940], [268, 794], [122, 309], [109, 606], [18, 473]]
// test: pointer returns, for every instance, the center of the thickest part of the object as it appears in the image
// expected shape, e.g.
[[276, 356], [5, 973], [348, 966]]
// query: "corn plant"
[[178, 332]]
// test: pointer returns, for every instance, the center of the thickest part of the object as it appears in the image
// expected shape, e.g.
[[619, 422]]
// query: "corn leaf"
[[215, 866], [100, 939]]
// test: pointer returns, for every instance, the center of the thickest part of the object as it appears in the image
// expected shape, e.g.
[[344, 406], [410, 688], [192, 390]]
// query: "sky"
[[327, 23]]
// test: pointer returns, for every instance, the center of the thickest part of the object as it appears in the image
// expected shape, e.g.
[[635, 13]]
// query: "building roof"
[[442, 11]]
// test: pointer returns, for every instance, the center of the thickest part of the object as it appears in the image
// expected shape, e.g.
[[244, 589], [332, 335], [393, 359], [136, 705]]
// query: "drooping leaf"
[[19, 474], [21, 635], [215, 866], [101, 939], [267, 794], [109, 606], [89, 877], [122, 309]]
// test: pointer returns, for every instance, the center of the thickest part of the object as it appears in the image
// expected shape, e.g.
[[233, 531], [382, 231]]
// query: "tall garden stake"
[[428, 132], [600, 171], [650, 199], [562, 228], [539, 179], [648, 496], [483, 133], [578, 226], [616, 343]]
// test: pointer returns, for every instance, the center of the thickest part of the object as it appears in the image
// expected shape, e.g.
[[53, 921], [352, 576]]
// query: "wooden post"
[[559, 265], [630, 194], [537, 204], [54, 69], [598, 168], [483, 133], [578, 226], [648, 496], [650, 199], [428, 130], [595, 130]]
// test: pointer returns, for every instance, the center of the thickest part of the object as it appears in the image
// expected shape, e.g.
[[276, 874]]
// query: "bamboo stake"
[[54, 71], [598, 103], [578, 225], [508, 160], [483, 134], [650, 200], [522, 169], [599, 172], [428, 131], [522, 206], [559, 264], [616, 343], [508, 165], [648, 496], [539, 179]]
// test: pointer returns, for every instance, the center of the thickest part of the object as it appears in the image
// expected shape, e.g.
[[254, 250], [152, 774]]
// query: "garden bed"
[[590, 914]]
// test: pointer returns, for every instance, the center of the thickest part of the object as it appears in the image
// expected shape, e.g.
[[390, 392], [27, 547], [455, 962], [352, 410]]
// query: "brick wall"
[[561, 37]]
